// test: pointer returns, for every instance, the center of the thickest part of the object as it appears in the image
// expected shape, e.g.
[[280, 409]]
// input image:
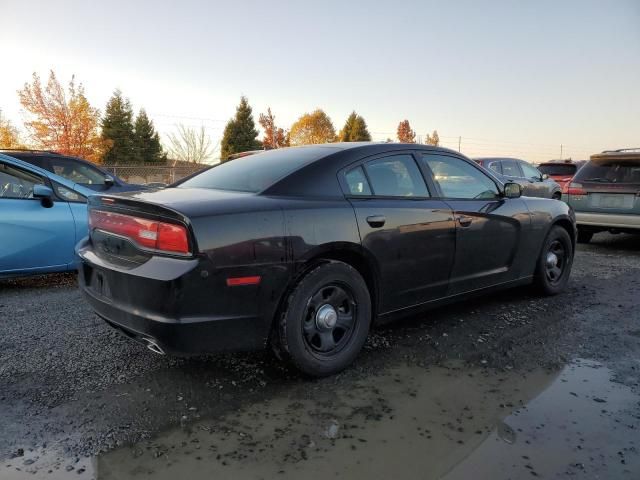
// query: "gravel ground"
[[70, 384]]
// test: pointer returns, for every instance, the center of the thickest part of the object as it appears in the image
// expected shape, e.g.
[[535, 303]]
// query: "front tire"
[[554, 263], [325, 320]]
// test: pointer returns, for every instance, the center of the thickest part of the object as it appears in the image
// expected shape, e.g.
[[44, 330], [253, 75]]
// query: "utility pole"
[[459, 142], [561, 151]]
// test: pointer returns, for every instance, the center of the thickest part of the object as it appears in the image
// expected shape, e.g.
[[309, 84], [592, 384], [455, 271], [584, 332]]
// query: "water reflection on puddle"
[[407, 422]]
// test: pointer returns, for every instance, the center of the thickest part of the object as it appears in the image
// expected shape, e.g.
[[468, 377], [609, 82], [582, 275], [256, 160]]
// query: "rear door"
[[489, 227], [34, 237], [409, 234]]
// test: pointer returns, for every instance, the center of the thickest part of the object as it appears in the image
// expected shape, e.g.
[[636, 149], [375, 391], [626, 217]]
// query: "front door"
[[409, 235], [536, 186], [489, 227], [33, 237]]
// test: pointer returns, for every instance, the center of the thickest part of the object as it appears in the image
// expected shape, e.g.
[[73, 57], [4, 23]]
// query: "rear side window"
[[396, 176], [510, 168], [459, 179], [610, 171], [357, 182], [494, 166], [77, 172], [567, 170]]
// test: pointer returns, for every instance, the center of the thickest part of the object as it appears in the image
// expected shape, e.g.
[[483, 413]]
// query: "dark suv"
[[533, 182], [605, 193], [74, 169]]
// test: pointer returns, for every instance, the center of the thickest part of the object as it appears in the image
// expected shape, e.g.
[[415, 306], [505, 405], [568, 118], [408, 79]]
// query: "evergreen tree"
[[147, 141], [355, 130], [117, 130], [240, 134]]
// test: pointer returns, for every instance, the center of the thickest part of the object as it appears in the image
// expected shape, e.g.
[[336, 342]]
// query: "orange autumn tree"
[[9, 136], [62, 120], [405, 133], [274, 137]]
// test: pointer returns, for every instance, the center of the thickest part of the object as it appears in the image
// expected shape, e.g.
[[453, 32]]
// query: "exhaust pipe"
[[153, 346]]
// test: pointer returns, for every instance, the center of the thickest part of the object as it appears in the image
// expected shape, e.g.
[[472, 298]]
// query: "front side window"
[[530, 171], [357, 182], [77, 172], [510, 168], [16, 183], [396, 176], [459, 179]]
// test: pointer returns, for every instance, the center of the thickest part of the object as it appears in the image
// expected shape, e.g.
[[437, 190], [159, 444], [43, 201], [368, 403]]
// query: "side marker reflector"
[[239, 281]]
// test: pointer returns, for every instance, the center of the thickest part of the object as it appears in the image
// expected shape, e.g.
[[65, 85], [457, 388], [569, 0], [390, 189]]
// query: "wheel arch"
[[566, 223], [351, 254]]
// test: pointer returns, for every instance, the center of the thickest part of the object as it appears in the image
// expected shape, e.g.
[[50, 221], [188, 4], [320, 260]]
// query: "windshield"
[[560, 170], [255, 173], [610, 171]]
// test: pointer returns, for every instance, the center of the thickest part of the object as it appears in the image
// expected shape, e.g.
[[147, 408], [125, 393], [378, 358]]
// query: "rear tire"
[[584, 236], [556, 196], [325, 320], [554, 263]]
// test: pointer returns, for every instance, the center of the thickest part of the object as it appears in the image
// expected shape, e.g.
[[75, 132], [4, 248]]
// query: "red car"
[[561, 171]]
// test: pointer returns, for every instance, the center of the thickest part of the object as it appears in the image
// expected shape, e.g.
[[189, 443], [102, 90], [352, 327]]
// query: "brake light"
[[574, 189], [166, 237]]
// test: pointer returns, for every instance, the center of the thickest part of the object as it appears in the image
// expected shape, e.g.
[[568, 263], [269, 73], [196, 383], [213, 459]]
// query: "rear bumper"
[[608, 220], [173, 305]]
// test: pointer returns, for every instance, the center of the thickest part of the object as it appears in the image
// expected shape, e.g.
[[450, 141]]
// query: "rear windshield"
[[255, 173], [610, 171], [567, 170]]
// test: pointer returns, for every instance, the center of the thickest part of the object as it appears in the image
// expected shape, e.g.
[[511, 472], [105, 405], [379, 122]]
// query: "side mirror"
[[109, 181], [45, 195], [545, 176], [512, 190]]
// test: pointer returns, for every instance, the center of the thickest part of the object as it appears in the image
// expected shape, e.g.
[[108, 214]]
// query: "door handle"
[[465, 221], [376, 221]]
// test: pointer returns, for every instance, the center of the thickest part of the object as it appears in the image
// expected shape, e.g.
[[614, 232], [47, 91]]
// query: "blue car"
[[42, 217]]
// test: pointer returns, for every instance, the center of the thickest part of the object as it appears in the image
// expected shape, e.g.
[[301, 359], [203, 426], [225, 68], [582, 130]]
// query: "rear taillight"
[[165, 237], [573, 189]]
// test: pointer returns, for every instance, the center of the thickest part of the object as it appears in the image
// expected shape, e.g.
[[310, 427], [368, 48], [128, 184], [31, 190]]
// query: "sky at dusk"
[[509, 77]]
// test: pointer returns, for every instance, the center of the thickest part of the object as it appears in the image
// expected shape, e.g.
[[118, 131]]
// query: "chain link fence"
[[143, 174]]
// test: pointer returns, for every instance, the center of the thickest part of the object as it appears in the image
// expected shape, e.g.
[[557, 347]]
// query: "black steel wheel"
[[554, 263], [329, 319], [325, 319]]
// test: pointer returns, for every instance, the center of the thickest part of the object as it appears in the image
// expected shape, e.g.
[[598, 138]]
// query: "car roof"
[[563, 162], [498, 158], [45, 173], [621, 154]]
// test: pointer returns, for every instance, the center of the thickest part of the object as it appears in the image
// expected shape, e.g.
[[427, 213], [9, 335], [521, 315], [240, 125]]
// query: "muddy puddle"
[[443, 422]]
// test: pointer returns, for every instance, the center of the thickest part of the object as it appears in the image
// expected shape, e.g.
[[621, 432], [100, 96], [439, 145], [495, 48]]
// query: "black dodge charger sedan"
[[304, 249]]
